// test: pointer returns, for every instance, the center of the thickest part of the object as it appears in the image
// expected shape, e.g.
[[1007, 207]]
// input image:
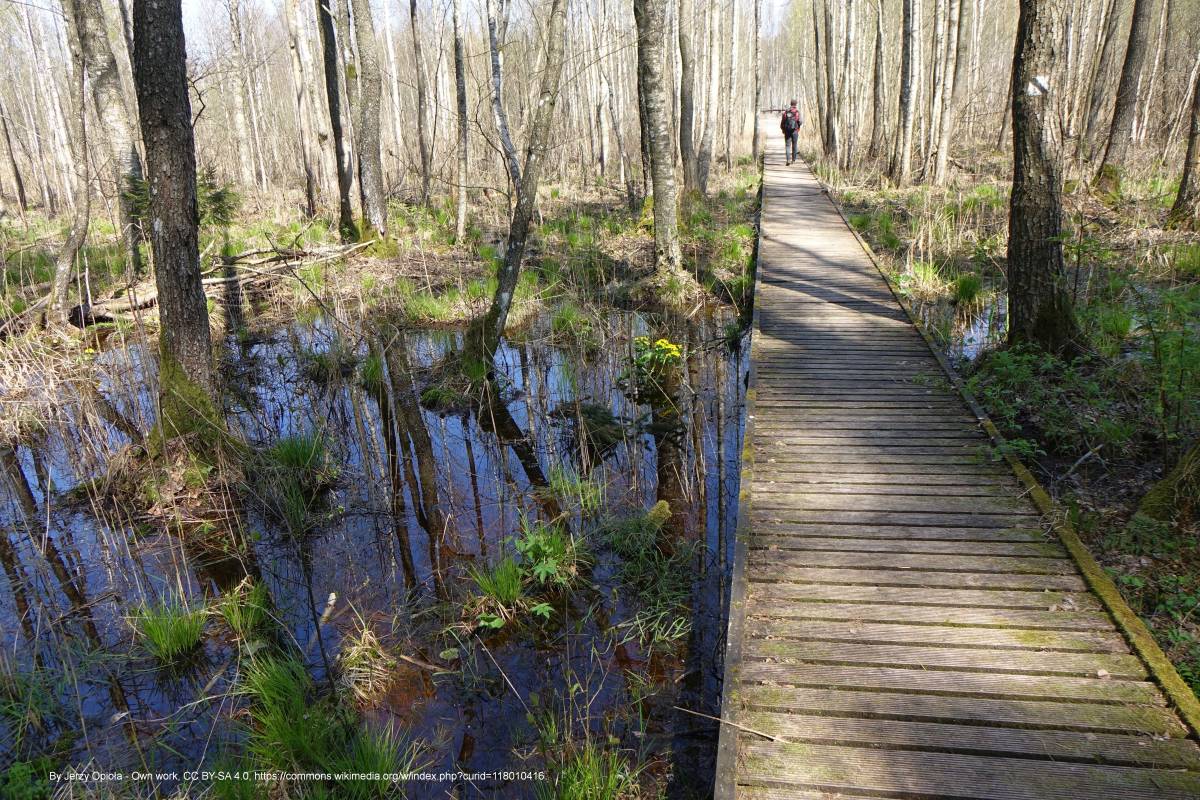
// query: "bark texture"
[[366, 123], [901, 166], [117, 119], [687, 94], [333, 96], [651, 26], [1039, 307], [423, 132], [1121, 131], [185, 348]]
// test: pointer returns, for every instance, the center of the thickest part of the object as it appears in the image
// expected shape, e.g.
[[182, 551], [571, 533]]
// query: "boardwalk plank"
[[978, 740], [906, 625], [1087, 717], [1117, 665], [836, 768]]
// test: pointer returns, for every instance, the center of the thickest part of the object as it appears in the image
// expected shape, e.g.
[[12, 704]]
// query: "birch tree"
[[650, 16], [366, 123], [485, 337], [333, 96]]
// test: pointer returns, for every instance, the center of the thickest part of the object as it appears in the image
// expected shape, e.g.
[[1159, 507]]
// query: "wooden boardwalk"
[[902, 624]]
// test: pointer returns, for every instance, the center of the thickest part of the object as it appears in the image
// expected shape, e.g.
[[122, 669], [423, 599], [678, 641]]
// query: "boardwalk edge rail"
[[725, 781], [1179, 694]]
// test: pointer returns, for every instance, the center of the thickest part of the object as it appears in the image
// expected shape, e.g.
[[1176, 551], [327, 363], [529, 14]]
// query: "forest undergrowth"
[[1105, 430]]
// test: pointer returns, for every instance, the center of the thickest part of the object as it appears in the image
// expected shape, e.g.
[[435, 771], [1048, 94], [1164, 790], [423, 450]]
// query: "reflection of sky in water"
[[966, 332], [377, 555]]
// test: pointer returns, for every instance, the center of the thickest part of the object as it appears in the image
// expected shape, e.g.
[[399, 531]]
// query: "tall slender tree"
[[424, 142], [486, 333], [651, 18], [1039, 306], [687, 93], [1185, 213], [187, 388], [366, 123], [460, 96], [497, 21], [1125, 109], [901, 166], [77, 140], [304, 123], [117, 119], [333, 96]]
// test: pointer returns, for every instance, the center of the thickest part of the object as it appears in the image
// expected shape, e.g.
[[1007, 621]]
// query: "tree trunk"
[[1121, 130], [304, 126], [489, 331], [704, 158], [901, 167], [1039, 307], [949, 92], [329, 48], [731, 94], [241, 100], [1098, 97], [832, 91], [116, 118], [497, 17], [366, 123], [848, 89], [1185, 213], [879, 95], [757, 76], [423, 134], [77, 139], [651, 27], [460, 93], [187, 389], [819, 74], [687, 94], [22, 201]]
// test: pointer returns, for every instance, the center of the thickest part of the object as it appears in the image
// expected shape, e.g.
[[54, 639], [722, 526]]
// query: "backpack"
[[791, 121]]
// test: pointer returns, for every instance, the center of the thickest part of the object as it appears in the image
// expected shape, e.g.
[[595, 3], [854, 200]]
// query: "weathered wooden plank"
[[966, 684], [1029, 662], [921, 774], [781, 541], [862, 501], [949, 579], [1093, 717], [924, 562], [924, 596], [766, 525], [949, 635], [978, 740], [843, 483], [774, 600], [907, 518]]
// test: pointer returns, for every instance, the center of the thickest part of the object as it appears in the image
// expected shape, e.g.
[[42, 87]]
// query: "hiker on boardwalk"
[[790, 124]]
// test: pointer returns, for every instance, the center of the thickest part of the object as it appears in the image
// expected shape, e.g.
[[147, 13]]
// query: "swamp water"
[[424, 494]]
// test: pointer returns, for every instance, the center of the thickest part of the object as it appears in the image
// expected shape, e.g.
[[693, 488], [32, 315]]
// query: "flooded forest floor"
[[1102, 430], [519, 589]]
